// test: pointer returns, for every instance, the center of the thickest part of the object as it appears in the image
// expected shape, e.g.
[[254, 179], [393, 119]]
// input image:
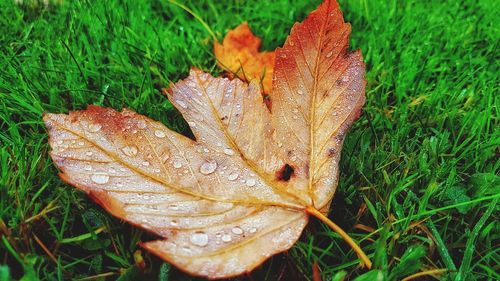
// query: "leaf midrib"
[[312, 112]]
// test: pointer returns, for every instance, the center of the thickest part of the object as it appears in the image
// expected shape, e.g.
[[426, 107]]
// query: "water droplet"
[[159, 134], [94, 128], [177, 164], [81, 143], [228, 151], [232, 176], [208, 167], [237, 230], [251, 182], [345, 79], [173, 207], [87, 168], [130, 150], [145, 163], [329, 54], [181, 104], [291, 43], [141, 124], [89, 153], [60, 142], [174, 223], [112, 170], [252, 230], [300, 92], [226, 238], [186, 249], [199, 239], [100, 178]]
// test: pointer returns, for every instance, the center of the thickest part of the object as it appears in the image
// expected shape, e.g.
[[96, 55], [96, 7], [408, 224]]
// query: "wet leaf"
[[243, 190]]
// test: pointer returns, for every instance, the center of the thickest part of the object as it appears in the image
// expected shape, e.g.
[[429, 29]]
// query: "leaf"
[[244, 189], [239, 55]]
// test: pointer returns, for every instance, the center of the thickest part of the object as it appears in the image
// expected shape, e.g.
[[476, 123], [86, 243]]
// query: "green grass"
[[419, 181]]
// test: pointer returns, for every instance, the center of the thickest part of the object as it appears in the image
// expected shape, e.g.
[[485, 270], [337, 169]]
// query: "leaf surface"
[[240, 192], [239, 55]]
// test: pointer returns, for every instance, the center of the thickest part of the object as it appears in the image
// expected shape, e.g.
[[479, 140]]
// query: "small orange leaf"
[[239, 55]]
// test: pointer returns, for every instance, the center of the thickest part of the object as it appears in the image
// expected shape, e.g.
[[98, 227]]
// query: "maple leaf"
[[244, 189], [239, 55]]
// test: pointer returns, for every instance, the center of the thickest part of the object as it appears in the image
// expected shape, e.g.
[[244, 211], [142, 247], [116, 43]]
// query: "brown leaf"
[[239, 55], [243, 190]]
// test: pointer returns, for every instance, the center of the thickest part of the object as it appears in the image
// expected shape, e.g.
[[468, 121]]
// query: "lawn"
[[419, 177]]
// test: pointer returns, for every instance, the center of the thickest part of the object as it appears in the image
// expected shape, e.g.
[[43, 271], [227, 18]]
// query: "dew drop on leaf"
[[228, 151], [199, 238], [130, 150], [208, 167], [226, 238], [237, 230], [181, 104], [177, 164], [100, 178], [232, 176], [159, 134], [251, 182], [94, 128]]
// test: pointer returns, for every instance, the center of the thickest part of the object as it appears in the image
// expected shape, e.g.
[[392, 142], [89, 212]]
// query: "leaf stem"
[[362, 256]]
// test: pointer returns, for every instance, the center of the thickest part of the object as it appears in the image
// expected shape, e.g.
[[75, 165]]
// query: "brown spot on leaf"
[[285, 173]]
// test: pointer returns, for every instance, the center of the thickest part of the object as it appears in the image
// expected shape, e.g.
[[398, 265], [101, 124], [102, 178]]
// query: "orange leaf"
[[244, 189], [239, 55]]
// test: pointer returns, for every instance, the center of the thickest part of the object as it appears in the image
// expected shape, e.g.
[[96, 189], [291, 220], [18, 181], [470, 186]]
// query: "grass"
[[419, 182]]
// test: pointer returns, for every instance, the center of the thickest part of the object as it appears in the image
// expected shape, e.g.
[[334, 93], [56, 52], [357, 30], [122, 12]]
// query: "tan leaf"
[[244, 189]]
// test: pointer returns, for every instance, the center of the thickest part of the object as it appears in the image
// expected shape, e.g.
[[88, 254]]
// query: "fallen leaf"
[[244, 189], [239, 55]]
